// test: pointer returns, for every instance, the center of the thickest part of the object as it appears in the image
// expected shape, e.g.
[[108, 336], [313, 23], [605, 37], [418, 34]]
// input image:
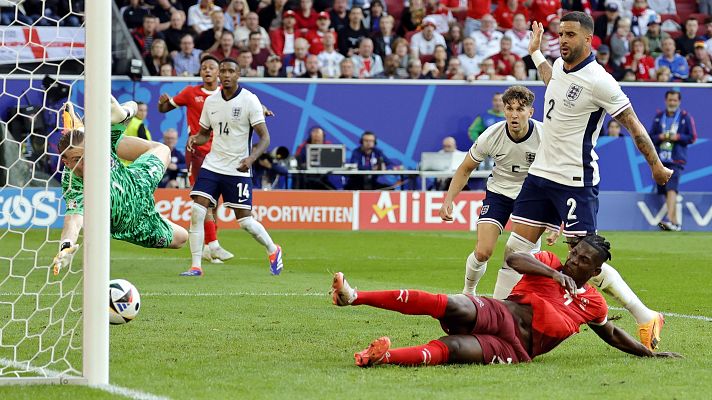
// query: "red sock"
[[211, 231], [405, 301], [433, 353]]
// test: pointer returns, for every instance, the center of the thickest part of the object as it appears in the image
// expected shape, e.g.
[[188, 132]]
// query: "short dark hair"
[[519, 93], [209, 57], [582, 18], [72, 138], [597, 242], [254, 34], [677, 92], [228, 60]]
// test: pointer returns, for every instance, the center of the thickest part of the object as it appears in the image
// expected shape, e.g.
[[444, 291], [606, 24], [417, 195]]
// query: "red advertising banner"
[[416, 211], [279, 209]]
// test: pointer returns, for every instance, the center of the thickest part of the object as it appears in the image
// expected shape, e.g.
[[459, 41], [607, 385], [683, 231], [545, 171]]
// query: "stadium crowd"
[[636, 40]]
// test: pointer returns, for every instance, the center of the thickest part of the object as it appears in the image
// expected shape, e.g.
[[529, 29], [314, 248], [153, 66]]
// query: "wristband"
[[65, 245], [538, 58]]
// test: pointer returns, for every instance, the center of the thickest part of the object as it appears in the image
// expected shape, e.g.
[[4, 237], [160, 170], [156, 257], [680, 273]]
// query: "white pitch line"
[[113, 389]]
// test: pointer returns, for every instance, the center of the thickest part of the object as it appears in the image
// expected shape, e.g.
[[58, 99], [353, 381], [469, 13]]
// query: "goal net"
[[41, 315]]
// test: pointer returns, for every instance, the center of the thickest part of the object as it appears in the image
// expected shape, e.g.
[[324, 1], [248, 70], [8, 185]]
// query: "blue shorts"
[[496, 209], [236, 191], [547, 204], [674, 181]]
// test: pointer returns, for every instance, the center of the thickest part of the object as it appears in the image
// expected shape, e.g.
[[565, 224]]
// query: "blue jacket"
[[686, 134], [369, 163]]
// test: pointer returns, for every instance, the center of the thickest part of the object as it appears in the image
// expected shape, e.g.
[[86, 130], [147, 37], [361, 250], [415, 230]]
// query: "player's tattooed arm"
[[542, 65], [545, 71], [621, 340], [642, 141]]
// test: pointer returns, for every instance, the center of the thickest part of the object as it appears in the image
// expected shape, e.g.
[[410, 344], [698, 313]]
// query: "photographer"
[[271, 169]]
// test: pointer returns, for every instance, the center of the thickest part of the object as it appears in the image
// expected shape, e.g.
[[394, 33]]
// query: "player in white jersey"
[[232, 114], [513, 144], [562, 185]]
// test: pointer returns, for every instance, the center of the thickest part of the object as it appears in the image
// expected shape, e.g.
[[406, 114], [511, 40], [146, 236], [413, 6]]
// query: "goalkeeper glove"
[[120, 113], [64, 257]]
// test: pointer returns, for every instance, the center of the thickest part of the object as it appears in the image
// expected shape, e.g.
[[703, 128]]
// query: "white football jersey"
[[231, 121], [512, 158], [575, 104]]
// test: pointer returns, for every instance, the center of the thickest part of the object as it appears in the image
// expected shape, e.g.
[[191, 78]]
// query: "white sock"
[[214, 245], [611, 282], [258, 232], [197, 234], [474, 270], [507, 278]]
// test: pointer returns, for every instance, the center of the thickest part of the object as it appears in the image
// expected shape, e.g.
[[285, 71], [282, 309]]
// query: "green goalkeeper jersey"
[[133, 215]]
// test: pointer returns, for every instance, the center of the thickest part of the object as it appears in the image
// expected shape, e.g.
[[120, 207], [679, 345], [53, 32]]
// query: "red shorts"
[[194, 160], [496, 330]]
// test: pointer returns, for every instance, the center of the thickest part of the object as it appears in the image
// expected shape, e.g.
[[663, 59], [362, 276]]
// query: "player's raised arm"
[[164, 103], [621, 340], [538, 58], [459, 180], [120, 113], [642, 141]]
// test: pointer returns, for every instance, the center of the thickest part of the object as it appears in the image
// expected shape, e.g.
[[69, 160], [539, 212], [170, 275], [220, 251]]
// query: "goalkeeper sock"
[[474, 270], [611, 282], [197, 233], [211, 234], [258, 232]]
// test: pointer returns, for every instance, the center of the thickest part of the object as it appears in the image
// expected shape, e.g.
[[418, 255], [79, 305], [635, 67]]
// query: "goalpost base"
[[58, 380]]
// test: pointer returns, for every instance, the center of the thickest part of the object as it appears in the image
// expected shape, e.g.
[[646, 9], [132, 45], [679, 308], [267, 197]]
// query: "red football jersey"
[[193, 98], [556, 313]]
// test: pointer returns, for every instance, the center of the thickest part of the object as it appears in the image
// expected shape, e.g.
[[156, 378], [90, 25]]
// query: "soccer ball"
[[124, 302]]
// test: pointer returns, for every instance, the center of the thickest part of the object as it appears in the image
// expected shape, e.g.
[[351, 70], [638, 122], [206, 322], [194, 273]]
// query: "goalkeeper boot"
[[275, 261], [649, 332], [342, 294], [193, 271], [221, 254], [374, 354]]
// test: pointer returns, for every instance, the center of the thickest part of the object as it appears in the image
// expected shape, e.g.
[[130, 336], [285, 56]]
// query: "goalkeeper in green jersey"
[[133, 215]]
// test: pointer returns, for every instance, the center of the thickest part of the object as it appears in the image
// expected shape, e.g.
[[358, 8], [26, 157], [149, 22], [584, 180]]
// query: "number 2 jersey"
[[575, 104], [557, 314], [231, 121]]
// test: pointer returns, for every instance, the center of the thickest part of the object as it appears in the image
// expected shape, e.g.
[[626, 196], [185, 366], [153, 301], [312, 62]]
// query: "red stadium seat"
[[426, 58], [409, 35]]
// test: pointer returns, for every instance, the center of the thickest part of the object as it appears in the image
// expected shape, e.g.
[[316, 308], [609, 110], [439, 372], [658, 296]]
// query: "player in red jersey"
[[547, 306], [193, 98]]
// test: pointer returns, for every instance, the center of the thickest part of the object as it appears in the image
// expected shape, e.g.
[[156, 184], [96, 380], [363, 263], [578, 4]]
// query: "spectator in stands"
[[187, 60], [505, 59], [439, 14], [700, 57], [390, 68], [476, 9], [135, 127], [620, 41], [271, 16], [613, 128], [270, 171], [274, 67], [316, 136], [159, 56], [487, 37], [606, 24], [685, 44], [372, 20], [519, 71], [177, 165], [488, 118], [306, 16], [449, 146], [209, 39], [415, 69], [259, 54], [163, 9], [454, 71], [312, 68], [423, 43], [329, 58], [366, 63], [412, 17], [488, 72], [705, 6], [603, 57], [346, 68], [708, 33], [297, 63], [145, 34], [176, 30], [199, 16], [368, 157], [244, 63], [236, 15], [315, 37], [544, 10], [698, 75], [677, 63], [655, 36], [505, 12], [672, 131], [469, 60], [663, 74], [383, 41], [401, 48], [642, 15], [132, 14], [437, 68], [283, 38], [640, 61], [339, 15], [350, 36], [519, 34], [453, 40], [242, 33], [550, 41], [226, 48], [663, 6], [628, 75], [167, 70]]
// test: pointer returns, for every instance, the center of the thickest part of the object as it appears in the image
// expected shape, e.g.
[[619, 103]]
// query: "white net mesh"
[[40, 314]]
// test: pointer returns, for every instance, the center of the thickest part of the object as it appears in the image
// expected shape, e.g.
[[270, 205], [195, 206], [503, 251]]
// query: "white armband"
[[538, 58]]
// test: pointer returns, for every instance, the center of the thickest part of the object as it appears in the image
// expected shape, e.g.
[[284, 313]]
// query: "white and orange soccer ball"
[[124, 302]]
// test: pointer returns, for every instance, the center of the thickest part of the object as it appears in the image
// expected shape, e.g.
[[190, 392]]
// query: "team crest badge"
[[484, 209], [530, 157], [236, 112], [573, 92]]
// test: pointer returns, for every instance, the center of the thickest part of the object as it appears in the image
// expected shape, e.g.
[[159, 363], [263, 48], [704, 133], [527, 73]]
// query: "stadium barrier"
[[367, 210]]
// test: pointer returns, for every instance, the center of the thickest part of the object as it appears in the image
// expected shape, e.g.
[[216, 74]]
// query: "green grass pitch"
[[239, 332]]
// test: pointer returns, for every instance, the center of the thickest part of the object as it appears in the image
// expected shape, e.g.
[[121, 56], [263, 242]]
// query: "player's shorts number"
[[571, 202], [243, 190]]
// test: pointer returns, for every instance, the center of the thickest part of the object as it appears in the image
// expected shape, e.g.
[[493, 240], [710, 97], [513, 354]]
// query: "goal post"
[[53, 329]]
